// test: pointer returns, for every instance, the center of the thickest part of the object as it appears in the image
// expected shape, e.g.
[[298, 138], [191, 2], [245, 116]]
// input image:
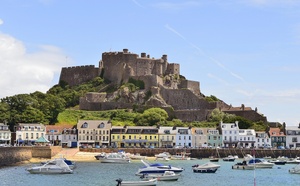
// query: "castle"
[[181, 98]]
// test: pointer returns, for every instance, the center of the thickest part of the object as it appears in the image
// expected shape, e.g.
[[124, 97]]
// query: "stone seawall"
[[205, 153], [13, 155]]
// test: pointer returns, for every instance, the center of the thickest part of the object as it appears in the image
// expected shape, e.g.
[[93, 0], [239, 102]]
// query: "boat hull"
[[48, 171], [210, 170], [151, 182], [243, 167]]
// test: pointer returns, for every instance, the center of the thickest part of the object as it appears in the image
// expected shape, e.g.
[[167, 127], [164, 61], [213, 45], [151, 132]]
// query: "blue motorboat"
[[157, 168]]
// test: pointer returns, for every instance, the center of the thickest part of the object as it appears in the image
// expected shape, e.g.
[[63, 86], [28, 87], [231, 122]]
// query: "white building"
[[247, 138], [27, 133], [183, 137], [262, 140], [293, 137], [5, 135], [230, 134]]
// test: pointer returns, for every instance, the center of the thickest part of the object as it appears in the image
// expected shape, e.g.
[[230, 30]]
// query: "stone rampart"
[[191, 85], [79, 74], [13, 155]]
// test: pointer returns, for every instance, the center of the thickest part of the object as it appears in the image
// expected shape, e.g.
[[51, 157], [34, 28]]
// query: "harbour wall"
[[13, 155], [206, 153]]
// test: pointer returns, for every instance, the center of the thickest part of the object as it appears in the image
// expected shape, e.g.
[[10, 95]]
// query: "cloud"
[[23, 72], [1, 22], [272, 2], [137, 3], [218, 63]]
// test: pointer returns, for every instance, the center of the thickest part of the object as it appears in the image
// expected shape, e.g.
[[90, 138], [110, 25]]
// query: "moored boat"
[[229, 158], [206, 168], [295, 170], [156, 168], [243, 166], [58, 166], [151, 182], [166, 176], [115, 158], [260, 163]]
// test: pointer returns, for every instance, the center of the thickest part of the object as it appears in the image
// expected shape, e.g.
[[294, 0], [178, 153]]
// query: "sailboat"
[[216, 157]]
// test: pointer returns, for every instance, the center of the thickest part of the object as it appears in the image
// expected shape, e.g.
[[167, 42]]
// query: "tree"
[[152, 116]]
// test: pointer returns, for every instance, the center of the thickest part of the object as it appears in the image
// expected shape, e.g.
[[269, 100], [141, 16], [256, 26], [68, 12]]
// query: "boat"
[[115, 158], [151, 182], [156, 168], [58, 166], [293, 161], [181, 156], [166, 176], [229, 158], [260, 163], [100, 156], [206, 168], [70, 163], [278, 162], [137, 156], [213, 159], [243, 166], [163, 155], [295, 170]]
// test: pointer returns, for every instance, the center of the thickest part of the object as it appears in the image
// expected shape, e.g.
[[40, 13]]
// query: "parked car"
[[280, 147]]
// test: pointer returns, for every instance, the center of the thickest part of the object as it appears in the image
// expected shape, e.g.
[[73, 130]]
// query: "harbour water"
[[101, 174]]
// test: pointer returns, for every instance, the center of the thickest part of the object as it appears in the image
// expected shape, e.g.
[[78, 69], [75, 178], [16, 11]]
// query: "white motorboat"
[[156, 168], [293, 161], [151, 182], [70, 163], [58, 166], [295, 170], [163, 155], [115, 158], [166, 176], [243, 166], [137, 157], [181, 156], [229, 158], [260, 163], [206, 168]]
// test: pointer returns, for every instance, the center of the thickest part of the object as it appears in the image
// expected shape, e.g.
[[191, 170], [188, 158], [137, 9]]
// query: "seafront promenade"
[[13, 155]]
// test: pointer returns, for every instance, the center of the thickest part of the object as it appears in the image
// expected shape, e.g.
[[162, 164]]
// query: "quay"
[[13, 155]]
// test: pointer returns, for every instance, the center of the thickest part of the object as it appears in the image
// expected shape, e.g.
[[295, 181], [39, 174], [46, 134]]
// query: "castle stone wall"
[[173, 68], [249, 114], [149, 80], [192, 85], [79, 74], [192, 115], [12, 155], [183, 99]]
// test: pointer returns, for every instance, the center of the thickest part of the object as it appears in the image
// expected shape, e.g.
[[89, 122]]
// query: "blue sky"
[[241, 51]]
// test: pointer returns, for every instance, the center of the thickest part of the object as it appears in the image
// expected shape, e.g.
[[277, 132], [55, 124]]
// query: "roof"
[[42, 140]]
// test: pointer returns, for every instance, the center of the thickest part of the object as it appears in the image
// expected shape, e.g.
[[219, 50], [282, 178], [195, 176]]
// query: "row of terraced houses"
[[97, 134]]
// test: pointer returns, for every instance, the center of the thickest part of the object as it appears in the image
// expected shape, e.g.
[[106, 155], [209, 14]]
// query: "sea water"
[[105, 174]]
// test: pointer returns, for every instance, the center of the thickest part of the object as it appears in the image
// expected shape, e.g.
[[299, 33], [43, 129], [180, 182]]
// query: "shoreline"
[[77, 157]]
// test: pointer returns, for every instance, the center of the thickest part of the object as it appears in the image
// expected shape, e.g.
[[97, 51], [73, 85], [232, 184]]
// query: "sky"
[[241, 51]]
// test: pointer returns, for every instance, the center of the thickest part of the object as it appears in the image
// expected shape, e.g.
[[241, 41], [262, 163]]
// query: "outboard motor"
[[119, 181]]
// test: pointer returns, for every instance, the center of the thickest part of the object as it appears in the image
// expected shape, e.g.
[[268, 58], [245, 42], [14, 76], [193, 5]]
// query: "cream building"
[[27, 133]]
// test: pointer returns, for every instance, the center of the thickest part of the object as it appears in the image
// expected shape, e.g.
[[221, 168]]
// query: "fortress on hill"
[[162, 80]]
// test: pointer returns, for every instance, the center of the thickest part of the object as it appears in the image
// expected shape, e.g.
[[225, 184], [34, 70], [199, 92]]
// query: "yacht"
[[58, 166], [156, 168], [260, 163], [115, 158]]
